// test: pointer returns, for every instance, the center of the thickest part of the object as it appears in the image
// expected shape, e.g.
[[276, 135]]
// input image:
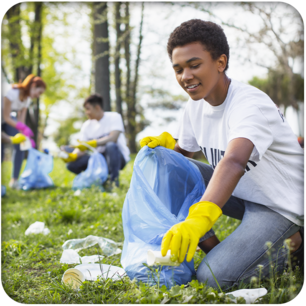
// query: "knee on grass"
[[204, 275]]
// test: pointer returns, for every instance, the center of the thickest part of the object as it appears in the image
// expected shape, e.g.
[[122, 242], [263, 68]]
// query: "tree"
[[101, 52], [277, 86], [65, 130], [117, 57], [280, 36], [131, 87], [36, 38], [19, 61], [44, 55]]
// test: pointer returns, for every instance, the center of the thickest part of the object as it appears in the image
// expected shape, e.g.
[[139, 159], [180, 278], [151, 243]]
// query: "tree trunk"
[[101, 53], [16, 45], [127, 54], [131, 103], [38, 18], [117, 58], [32, 119]]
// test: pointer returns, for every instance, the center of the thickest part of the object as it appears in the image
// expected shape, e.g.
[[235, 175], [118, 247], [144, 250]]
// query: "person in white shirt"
[[104, 131], [256, 165], [17, 100]]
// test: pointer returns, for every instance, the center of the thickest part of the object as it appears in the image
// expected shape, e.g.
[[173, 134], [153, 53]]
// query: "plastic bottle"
[[108, 246]]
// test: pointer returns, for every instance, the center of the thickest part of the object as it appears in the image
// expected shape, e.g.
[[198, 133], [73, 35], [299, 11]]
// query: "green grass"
[[31, 271]]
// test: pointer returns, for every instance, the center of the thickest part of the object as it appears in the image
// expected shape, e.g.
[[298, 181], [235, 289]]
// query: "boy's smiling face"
[[196, 71]]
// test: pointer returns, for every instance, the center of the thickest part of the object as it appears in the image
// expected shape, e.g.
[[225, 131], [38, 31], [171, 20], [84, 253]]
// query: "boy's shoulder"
[[86, 124], [113, 115], [243, 89]]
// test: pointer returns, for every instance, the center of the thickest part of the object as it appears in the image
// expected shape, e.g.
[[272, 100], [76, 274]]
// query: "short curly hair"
[[207, 33]]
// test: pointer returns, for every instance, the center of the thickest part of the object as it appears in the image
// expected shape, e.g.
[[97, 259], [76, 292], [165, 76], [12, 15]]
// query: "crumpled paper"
[[37, 228]]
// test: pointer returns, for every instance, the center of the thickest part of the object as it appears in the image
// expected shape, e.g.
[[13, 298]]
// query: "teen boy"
[[256, 164], [104, 131]]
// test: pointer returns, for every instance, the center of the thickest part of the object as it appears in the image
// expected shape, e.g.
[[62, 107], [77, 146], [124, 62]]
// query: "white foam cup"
[[155, 258], [73, 277]]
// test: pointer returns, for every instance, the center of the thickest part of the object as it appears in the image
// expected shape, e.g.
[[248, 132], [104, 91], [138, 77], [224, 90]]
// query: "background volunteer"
[[17, 100], [104, 131]]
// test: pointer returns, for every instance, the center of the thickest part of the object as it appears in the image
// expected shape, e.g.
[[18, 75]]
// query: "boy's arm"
[[113, 136], [228, 172], [178, 149]]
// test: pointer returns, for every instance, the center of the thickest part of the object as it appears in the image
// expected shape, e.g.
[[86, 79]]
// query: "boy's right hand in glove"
[[164, 140]]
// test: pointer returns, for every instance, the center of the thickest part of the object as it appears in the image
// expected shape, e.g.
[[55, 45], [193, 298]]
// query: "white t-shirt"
[[111, 121], [17, 105], [274, 175]]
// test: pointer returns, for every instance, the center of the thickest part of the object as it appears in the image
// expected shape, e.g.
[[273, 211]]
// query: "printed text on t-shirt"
[[216, 155]]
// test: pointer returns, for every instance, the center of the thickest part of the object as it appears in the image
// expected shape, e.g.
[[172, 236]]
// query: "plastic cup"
[[155, 258], [25, 145], [73, 277]]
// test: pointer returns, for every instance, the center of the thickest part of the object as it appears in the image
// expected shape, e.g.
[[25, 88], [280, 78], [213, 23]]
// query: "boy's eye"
[[178, 71], [195, 66]]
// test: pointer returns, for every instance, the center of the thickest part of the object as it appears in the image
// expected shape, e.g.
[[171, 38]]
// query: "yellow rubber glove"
[[18, 138], [71, 158], [82, 147], [164, 140], [186, 235]]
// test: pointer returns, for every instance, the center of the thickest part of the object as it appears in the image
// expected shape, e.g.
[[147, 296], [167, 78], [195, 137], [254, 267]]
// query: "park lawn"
[[31, 269]]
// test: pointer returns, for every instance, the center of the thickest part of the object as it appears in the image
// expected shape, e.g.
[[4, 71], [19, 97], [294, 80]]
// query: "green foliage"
[[61, 85], [65, 130], [56, 84], [277, 86], [31, 271]]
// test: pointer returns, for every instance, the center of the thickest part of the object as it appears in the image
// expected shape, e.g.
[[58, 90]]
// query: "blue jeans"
[[18, 155], [114, 159], [237, 257]]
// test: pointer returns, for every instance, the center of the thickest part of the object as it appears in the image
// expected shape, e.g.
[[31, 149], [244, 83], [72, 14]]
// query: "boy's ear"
[[222, 61]]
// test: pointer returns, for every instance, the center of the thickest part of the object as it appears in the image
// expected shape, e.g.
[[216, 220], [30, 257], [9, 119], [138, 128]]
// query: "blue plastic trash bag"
[[35, 174], [95, 174], [163, 187], [3, 191]]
